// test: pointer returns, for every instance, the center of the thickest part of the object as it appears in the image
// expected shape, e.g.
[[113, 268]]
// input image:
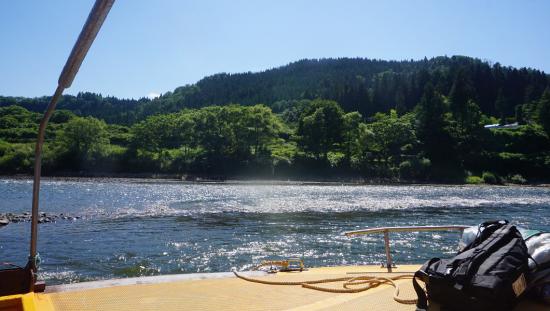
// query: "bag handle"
[[484, 230]]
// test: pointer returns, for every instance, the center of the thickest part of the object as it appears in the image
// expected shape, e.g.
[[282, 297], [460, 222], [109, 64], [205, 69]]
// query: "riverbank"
[[148, 178]]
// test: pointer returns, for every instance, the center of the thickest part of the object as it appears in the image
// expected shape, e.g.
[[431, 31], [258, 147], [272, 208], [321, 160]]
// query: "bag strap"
[[422, 274], [422, 302], [537, 266]]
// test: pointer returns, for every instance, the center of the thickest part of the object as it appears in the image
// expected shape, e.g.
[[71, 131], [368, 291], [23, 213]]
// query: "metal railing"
[[95, 20], [386, 231]]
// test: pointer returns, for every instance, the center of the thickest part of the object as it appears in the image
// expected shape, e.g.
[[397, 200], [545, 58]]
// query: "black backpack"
[[489, 274]]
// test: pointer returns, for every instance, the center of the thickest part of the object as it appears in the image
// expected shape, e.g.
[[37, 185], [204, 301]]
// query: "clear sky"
[[154, 46]]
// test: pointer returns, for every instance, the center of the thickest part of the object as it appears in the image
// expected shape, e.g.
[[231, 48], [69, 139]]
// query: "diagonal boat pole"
[[80, 49]]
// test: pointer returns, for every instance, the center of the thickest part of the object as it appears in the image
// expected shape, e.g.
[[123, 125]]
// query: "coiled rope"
[[350, 285]]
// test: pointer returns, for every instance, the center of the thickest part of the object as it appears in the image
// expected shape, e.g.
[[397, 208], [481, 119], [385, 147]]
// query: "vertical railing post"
[[388, 251], [80, 49]]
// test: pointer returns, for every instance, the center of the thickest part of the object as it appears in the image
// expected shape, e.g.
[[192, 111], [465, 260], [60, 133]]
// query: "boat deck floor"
[[223, 291]]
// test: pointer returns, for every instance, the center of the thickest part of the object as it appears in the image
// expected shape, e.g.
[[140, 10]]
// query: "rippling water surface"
[[132, 228]]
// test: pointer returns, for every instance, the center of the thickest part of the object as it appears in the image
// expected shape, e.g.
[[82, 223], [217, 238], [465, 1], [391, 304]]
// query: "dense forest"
[[313, 119]]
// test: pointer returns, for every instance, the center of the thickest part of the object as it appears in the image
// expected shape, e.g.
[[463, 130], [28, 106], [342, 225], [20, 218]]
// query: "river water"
[[144, 227]]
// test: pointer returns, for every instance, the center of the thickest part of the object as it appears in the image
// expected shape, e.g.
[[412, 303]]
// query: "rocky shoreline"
[[7, 218]]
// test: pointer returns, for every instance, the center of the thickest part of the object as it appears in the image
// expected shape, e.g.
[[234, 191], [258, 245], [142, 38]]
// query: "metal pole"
[[388, 252], [85, 39]]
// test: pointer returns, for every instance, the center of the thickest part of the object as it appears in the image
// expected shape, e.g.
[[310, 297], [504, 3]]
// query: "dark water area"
[[133, 228]]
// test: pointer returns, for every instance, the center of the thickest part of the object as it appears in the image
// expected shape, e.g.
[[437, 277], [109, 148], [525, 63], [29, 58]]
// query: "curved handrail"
[[406, 229], [387, 230]]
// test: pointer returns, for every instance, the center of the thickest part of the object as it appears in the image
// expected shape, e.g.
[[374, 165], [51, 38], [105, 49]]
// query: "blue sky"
[[154, 46]]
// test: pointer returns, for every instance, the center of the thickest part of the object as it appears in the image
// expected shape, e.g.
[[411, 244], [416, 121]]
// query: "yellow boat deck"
[[225, 292]]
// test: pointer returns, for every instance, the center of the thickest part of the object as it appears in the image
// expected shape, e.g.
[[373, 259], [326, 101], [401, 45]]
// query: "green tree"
[[212, 133], [391, 135], [16, 158], [501, 105], [262, 126], [461, 93], [168, 131], [468, 134], [544, 110], [320, 128], [352, 131], [433, 132], [62, 116], [84, 139], [235, 133]]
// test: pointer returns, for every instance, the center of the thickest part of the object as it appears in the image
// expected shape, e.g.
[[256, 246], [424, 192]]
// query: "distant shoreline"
[[144, 178]]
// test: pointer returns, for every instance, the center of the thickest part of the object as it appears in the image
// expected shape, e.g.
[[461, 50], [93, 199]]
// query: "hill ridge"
[[357, 84]]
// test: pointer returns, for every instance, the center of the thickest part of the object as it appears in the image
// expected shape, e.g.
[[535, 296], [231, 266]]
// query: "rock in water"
[[4, 221], [8, 218]]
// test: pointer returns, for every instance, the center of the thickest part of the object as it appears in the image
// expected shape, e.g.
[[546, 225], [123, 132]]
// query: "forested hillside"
[[358, 84], [332, 118]]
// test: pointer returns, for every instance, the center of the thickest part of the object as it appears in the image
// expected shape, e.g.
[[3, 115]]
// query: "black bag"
[[489, 274]]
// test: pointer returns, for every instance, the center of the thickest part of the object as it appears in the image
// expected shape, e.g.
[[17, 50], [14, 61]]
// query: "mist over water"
[[132, 228]]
